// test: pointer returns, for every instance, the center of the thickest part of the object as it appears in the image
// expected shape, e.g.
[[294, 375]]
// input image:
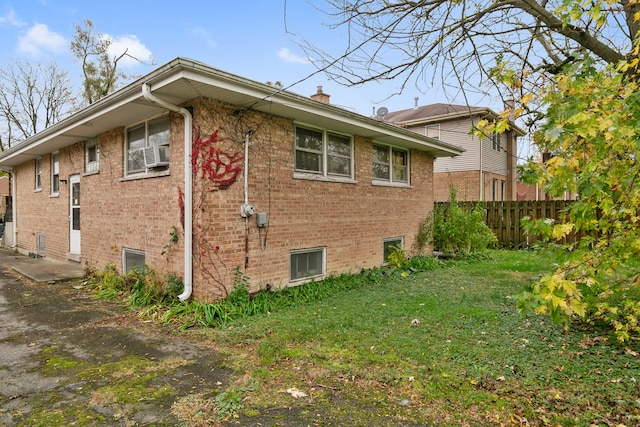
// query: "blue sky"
[[256, 39]]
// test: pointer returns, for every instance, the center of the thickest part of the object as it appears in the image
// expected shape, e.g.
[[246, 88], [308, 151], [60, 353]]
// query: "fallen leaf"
[[296, 393]]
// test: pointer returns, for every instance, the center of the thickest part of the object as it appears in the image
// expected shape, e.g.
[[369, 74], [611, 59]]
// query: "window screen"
[[306, 264], [132, 259]]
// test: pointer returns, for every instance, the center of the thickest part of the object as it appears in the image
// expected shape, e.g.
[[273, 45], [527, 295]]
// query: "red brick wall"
[[350, 220], [466, 183], [38, 211], [133, 214], [115, 214]]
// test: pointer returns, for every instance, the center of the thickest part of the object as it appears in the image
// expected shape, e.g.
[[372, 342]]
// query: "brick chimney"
[[320, 96]]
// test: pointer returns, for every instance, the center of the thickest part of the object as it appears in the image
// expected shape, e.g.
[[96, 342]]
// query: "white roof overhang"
[[182, 80]]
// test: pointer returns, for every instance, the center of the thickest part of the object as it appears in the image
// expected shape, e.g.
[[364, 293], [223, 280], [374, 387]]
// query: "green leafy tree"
[[593, 134]]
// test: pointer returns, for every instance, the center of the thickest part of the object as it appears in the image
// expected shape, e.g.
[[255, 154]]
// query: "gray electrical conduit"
[[188, 188]]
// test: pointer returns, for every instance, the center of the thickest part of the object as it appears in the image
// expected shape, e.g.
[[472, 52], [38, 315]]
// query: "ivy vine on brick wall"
[[214, 169]]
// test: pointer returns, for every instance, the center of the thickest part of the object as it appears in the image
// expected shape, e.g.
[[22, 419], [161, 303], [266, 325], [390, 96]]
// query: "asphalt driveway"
[[66, 359]]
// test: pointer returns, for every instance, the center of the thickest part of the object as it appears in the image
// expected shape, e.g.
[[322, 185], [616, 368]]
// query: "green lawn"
[[444, 347]]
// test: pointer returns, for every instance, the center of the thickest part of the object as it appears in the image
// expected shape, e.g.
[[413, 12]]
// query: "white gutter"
[[188, 188]]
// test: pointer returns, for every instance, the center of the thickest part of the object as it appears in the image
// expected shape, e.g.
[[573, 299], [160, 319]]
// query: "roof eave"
[[481, 112], [255, 95]]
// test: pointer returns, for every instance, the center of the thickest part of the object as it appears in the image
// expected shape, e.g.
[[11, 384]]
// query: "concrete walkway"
[[40, 270]]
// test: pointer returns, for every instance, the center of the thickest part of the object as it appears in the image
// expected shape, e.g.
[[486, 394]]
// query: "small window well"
[[131, 259]]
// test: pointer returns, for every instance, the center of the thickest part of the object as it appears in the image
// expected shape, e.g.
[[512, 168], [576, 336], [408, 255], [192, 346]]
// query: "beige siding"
[[456, 132], [494, 161]]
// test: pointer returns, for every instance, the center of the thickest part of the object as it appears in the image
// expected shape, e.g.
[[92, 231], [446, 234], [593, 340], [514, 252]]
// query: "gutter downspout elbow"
[[188, 188]]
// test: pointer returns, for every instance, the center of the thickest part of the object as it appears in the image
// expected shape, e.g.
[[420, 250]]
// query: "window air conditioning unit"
[[156, 155]]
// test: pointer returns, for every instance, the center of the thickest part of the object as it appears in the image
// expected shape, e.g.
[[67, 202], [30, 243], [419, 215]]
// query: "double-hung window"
[[390, 165], [91, 156], [323, 153], [432, 131], [55, 173], [38, 175], [147, 146], [495, 141]]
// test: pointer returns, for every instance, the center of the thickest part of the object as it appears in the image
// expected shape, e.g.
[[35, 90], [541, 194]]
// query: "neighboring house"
[[287, 189], [485, 171]]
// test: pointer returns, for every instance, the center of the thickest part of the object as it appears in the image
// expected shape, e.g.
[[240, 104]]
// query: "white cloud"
[[136, 50], [11, 19], [291, 58], [40, 39]]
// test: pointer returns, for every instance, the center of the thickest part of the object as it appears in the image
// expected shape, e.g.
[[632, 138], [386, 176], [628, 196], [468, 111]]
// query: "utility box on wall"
[[261, 219]]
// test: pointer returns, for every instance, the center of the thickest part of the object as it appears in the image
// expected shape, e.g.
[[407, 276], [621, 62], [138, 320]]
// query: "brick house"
[[487, 168], [284, 187]]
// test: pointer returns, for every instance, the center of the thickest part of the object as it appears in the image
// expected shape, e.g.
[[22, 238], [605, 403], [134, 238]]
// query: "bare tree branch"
[[403, 39], [32, 98]]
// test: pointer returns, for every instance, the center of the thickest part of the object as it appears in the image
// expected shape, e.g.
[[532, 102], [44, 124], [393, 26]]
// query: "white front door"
[[74, 217]]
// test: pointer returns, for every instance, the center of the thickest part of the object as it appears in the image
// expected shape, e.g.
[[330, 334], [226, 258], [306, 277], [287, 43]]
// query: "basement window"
[[389, 244], [306, 264], [132, 259]]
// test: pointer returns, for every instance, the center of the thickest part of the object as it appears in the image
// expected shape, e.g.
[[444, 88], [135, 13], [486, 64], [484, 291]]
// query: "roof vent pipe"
[[188, 188], [415, 102]]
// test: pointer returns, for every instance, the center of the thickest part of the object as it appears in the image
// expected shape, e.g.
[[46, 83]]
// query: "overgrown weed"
[[155, 297]]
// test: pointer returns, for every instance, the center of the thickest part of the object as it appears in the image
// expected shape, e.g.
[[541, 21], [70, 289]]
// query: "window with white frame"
[[388, 245], [147, 146], [307, 263], [432, 131], [390, 164], [38, 174], [323, 153], [55, 173], [91, 156], [495, 142], [132, 259]]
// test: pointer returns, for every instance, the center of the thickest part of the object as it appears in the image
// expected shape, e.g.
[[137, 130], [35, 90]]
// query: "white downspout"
[[246, 167], [188, 188], [14, 210], [482, 198]]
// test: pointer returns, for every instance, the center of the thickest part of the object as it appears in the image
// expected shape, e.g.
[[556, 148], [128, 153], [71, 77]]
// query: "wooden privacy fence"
[[504, 218]]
